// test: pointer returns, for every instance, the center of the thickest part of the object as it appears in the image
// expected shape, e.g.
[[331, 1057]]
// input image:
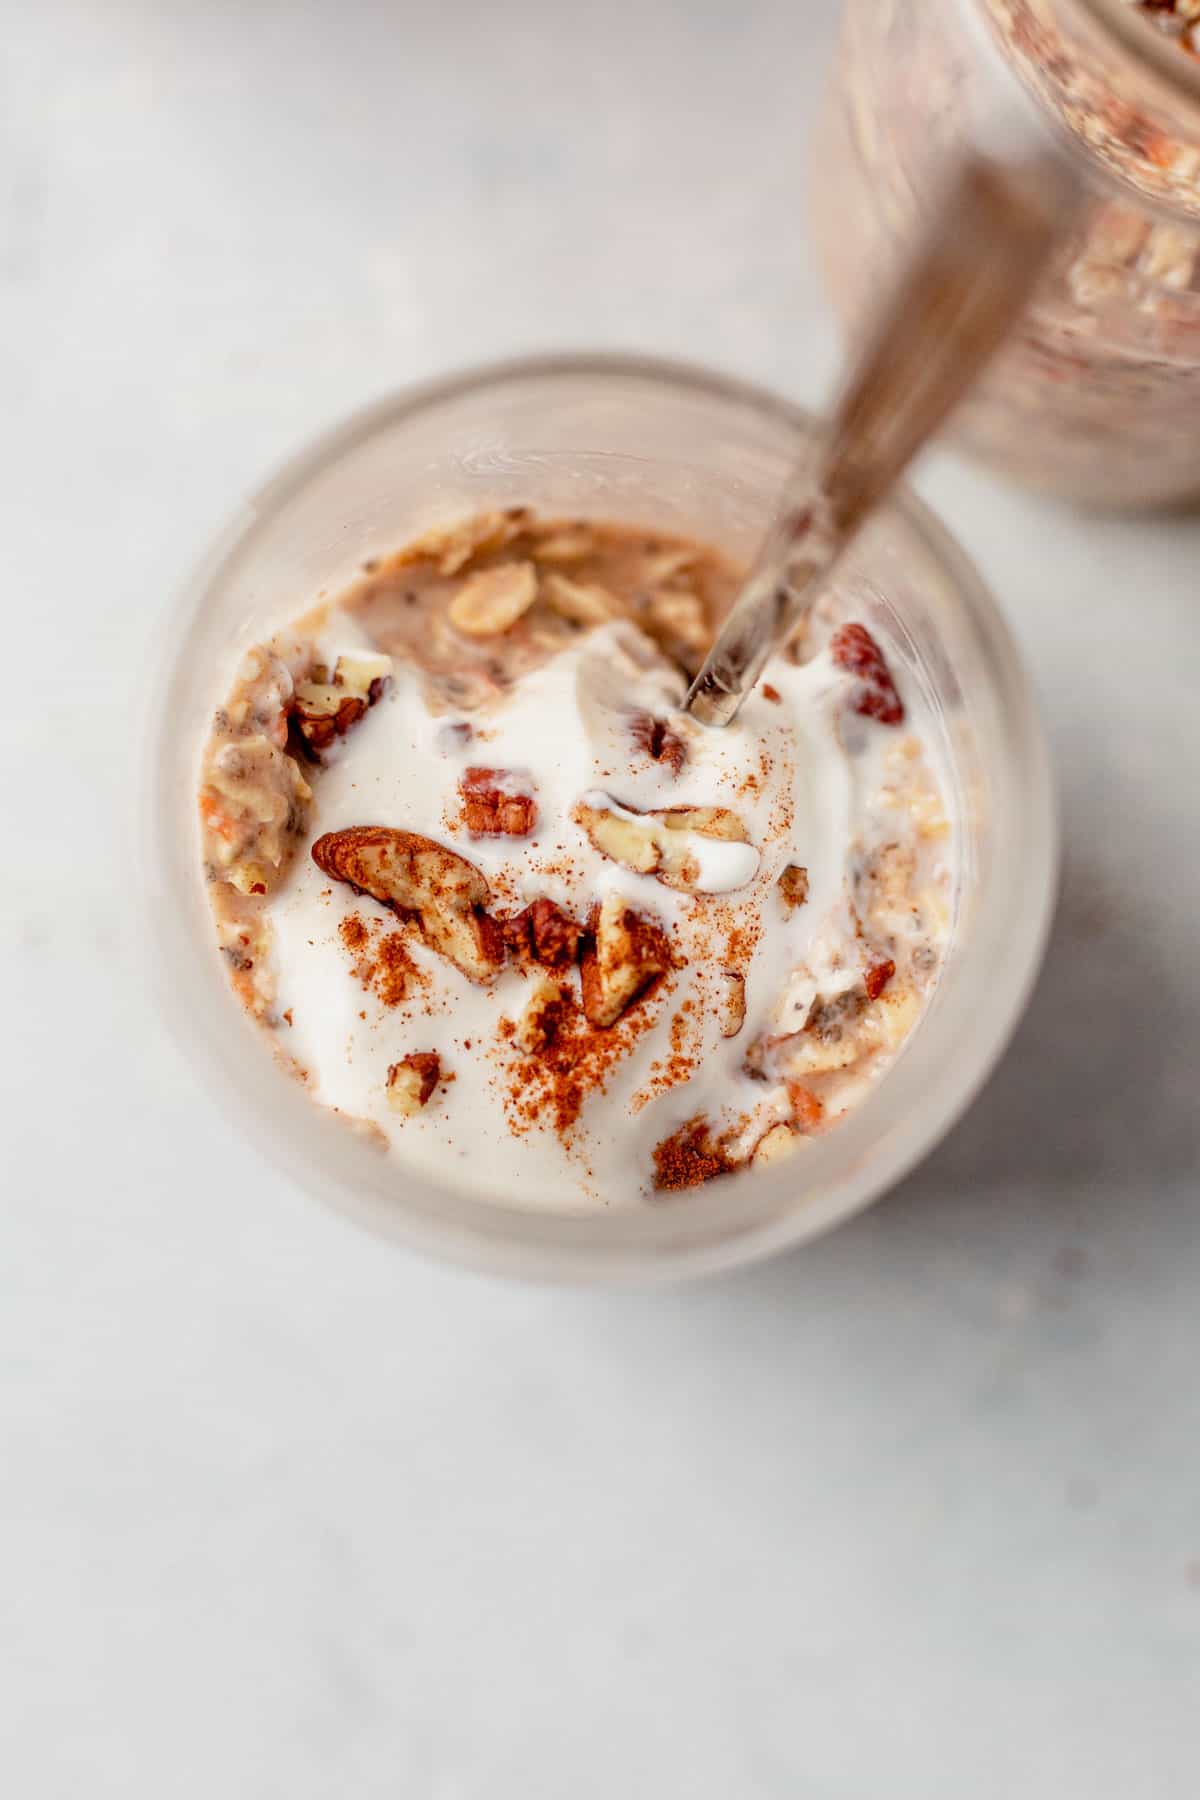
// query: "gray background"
[[285, 1513]]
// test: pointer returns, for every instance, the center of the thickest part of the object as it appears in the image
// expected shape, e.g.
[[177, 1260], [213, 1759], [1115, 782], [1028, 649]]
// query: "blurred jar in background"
[[1098, 395]]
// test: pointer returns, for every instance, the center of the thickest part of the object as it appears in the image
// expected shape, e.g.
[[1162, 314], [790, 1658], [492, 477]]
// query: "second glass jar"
[[1097, 397]]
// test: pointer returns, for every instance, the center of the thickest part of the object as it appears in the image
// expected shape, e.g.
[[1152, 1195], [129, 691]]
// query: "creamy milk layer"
[[564, 732], [498, 902]]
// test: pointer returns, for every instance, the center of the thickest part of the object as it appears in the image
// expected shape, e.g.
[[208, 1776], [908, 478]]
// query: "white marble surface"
[[285, 1513]]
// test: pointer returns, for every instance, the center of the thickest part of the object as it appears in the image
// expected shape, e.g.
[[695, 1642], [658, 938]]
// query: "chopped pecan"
[[659, 843], [627, 952], [614, 834], [543, 933], [541, 1015], [656, 740], [323, 711], [793, 886], [412, 1080], [877, 978], [421, 879], [497, 803], [875, 696]]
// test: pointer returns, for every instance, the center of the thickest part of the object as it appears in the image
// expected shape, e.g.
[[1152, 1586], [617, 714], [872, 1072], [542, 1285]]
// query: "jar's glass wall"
[[1098, 395], [642, 441]]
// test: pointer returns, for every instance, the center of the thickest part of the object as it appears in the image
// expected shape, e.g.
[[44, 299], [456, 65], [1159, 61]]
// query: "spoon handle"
[[953, 306]]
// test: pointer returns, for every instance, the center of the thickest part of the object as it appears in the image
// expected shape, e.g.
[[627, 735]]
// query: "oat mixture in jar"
[[1098, 395], [494, 898]]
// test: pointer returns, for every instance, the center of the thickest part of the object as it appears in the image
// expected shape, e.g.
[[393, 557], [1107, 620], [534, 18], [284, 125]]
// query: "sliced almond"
[[418, 877], [583, 603], [412, 1080], [323, 713], [492, 601], [628, 952], [731, 1001]]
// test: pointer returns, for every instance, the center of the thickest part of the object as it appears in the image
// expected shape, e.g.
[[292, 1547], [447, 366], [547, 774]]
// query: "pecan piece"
[[323, 711], [793, 886], [496, 802], [875, 695], [655, 739], [543, 933], [627, 952], [669, 844], [411, 1081], [420, 879], [541, 1016]]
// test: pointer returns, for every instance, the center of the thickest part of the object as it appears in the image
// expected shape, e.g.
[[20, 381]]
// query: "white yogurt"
[[780, 767]]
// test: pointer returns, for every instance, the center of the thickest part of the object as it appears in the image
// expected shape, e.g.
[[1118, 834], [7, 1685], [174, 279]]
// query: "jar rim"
[[1159, 57]]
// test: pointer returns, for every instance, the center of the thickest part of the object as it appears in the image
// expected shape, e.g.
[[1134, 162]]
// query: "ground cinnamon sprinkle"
[[550, 1085], [383, 963], [353, 932], [679, 1065], [397, 974], [689, 1157]]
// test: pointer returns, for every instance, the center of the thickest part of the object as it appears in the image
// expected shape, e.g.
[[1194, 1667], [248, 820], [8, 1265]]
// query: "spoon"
[[952, 307]]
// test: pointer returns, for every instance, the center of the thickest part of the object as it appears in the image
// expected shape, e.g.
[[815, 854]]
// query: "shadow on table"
[[1092, 1108]]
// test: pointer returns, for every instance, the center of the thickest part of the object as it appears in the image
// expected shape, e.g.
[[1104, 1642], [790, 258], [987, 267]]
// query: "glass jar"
[[674, 448], [1097, 395]]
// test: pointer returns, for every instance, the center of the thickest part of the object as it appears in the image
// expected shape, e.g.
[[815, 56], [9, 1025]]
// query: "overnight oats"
[[500, 905], [1097, 396]]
